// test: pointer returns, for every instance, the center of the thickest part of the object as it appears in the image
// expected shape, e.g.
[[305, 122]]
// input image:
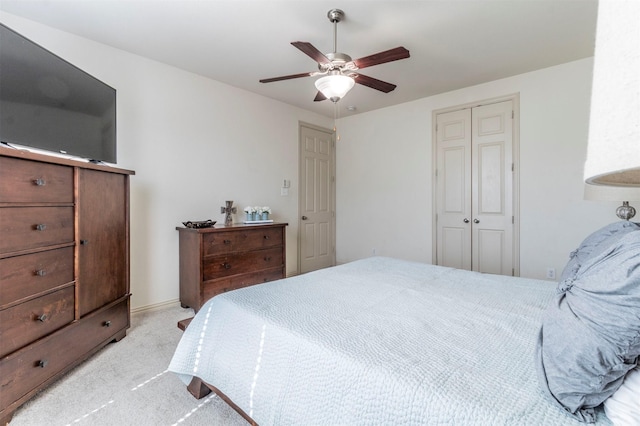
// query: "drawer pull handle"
[[43, 363], [227, 242], [41, 227], [39, 182], [226, 266], [84, 242], [107, 324], [42, 317], [40, 272], [266, 237], [267, 259]]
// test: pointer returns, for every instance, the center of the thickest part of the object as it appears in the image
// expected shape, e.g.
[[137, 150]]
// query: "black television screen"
[[50, 104]]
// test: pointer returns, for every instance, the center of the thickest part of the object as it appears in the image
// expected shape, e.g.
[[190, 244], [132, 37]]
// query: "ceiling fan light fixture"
[[335, 86]]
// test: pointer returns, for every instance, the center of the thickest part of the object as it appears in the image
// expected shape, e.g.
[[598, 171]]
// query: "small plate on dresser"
[[199, 224]]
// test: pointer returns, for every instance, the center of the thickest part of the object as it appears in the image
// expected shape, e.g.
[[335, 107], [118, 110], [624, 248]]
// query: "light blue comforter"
[[376, 341]]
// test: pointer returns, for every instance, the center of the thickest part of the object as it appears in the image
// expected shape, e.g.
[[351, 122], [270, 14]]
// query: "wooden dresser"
[[64, 268], [223, 258]]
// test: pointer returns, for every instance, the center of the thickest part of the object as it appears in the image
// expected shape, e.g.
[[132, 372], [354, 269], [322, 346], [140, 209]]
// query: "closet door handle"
[[465, 220], [476, 221], [304, 218]]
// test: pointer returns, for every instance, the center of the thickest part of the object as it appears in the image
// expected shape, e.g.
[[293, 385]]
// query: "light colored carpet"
[[127, 383]]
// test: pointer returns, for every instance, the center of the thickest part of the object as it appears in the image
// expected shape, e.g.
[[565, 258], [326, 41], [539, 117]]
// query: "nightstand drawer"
[[32, 227], [245, 240], [224, 266], [32, 181], [29, 321], [30, 274], [212, 288]]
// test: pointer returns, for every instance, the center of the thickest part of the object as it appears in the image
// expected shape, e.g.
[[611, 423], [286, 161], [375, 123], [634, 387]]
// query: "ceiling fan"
[[339, 70]]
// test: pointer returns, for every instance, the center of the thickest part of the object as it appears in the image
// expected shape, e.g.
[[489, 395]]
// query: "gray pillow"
[[594, 244], [590, 336]]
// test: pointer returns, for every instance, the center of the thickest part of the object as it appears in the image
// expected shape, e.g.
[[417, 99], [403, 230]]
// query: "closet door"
[[474, 189], [492, 188], [453, 190]]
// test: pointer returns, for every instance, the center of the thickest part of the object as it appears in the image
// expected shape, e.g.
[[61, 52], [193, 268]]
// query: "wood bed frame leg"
[[5, 418], [197, 388]]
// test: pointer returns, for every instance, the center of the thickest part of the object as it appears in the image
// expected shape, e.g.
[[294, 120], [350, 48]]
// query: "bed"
[[380, 341]]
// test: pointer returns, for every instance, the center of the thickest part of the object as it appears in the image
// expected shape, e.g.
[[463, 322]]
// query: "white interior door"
[[474, 189], [317, 199], [454, 189], [492, 188]]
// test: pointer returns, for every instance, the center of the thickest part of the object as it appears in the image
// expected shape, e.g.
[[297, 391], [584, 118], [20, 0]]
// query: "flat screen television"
[[50, 104]]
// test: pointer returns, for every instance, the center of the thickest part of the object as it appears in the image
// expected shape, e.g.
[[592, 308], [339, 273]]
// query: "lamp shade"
[[613, 154], [334, 86], [611, 193]]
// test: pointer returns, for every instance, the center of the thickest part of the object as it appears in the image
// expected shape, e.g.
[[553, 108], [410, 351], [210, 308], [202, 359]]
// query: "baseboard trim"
[[156, 306], [172, 303]]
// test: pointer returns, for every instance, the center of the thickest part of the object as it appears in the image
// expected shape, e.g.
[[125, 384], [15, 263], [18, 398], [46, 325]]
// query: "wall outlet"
[[551, 273], [373, 251]]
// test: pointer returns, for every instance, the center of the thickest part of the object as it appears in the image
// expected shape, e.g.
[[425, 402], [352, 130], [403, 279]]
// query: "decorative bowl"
[[199, 224]]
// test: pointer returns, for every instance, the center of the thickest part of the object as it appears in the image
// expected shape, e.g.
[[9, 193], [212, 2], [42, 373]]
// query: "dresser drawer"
[[245, 240], [31, 227], [23, 276], [212, 288], [24, 181], [26, 322], [27, 369], [224, 266]]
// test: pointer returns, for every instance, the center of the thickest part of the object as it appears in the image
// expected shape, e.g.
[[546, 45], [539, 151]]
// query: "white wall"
[[193, 143], [384, 171]]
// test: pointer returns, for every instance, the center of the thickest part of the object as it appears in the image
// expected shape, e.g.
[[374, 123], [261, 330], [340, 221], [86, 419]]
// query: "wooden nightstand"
[[223, 258]]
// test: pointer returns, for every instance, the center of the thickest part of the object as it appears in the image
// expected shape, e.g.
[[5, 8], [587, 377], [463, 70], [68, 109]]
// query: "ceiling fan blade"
[[309, 50], [319, 97], [374, 83], [286, 77], [382, 57]]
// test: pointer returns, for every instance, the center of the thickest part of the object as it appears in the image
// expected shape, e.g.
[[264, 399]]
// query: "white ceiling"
[[453, 43]]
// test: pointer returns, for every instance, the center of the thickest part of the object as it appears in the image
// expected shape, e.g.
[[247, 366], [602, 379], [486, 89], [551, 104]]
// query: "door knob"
[[304, 218], [476, 221], [465, 220]]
